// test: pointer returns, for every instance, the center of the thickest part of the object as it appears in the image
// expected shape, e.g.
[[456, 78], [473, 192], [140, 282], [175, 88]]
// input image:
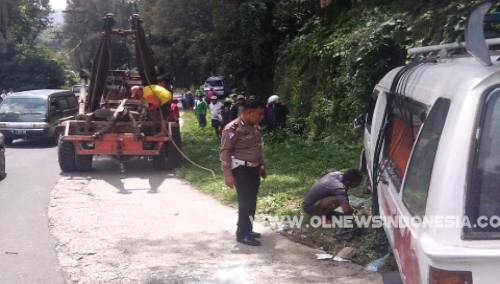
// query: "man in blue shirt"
[[330, 192]]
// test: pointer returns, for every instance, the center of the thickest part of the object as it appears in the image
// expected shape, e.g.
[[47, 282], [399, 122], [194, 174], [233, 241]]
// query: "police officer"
[[242, 160]]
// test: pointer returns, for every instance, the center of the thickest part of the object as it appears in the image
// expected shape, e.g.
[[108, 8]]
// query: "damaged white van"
[[432, 153]]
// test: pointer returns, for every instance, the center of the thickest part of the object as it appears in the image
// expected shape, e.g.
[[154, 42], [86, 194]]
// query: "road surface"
[[27, 250], [137, 226]]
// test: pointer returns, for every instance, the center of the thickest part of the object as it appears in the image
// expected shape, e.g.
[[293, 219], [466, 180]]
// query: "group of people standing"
[[222, 113]]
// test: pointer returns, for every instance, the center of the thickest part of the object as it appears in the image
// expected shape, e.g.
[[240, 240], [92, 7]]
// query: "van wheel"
[[83, 163], [160, 161], [8, 141], [66, 156], [362, 162], [3, 173]]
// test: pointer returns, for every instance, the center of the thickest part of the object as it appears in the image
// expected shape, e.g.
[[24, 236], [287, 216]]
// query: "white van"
[[432, 153]]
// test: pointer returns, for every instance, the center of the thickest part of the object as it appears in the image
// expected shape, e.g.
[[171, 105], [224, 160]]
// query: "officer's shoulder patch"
[[234, 126]]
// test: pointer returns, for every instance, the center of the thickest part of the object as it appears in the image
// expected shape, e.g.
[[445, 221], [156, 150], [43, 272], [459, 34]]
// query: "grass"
[[293, 166]]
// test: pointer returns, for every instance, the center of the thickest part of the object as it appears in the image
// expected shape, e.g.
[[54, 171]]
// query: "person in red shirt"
[[174, 114], [210, 94]]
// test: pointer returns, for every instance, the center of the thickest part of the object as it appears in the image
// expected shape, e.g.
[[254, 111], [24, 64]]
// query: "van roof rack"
[[475, 42]]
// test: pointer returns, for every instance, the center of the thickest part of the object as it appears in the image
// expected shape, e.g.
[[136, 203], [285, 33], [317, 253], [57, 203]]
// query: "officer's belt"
[[237, 162]]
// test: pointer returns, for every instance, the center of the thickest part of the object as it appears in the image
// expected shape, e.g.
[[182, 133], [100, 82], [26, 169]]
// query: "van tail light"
[[439, 276]]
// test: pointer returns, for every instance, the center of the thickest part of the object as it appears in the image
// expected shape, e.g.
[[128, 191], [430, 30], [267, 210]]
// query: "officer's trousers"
[[247, 187]]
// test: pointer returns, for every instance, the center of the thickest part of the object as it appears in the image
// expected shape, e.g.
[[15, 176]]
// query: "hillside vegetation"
[[322, 62]]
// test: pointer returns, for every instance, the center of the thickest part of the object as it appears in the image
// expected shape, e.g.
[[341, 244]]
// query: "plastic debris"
[[338, 258], [323, 256], [327, 256], [283, 227], [377, 264], [365, 203]]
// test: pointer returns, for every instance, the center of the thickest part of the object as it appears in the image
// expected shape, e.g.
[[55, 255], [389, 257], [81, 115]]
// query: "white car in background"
[[218, 83]]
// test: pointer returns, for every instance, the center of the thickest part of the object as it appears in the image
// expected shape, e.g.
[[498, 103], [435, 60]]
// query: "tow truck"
[[112, 123]]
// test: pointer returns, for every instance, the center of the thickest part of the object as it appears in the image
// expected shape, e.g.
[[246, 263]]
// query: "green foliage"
[[27, 68], [27, 18], [293, 166], [328, 74]]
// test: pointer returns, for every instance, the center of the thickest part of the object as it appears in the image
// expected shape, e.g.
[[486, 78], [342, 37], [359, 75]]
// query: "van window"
[[370, 110], [483, 197], [62, 104], [73, 103], [405, 120], [15, 105], [419, 173]]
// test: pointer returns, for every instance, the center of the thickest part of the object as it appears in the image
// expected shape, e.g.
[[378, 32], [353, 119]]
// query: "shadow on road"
[[139, 170], [30, 144]]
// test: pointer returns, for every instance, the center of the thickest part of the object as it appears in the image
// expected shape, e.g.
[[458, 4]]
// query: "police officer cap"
[[240, 97]]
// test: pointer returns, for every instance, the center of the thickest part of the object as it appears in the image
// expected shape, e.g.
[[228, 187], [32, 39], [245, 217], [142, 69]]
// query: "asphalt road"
[[27, 249], [143, 226]]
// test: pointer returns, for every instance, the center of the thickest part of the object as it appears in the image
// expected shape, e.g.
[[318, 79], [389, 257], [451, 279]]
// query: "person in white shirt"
[[215, 107]]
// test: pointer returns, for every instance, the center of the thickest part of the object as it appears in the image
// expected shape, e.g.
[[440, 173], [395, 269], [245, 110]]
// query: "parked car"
[[35, 114], [432, 154], [3, 173], [76, 89], [219, 84]]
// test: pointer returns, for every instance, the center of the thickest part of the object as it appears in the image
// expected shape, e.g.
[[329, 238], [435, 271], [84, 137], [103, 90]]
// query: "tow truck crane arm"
[[102, 60]]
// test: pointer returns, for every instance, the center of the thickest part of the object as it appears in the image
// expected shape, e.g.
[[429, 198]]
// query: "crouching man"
[[330, 192]]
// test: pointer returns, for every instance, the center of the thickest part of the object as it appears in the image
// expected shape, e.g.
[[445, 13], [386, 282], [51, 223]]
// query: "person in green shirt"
[[200, 109]]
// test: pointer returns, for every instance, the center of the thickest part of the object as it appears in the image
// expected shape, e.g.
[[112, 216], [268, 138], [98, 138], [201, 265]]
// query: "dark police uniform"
[[241, 156]]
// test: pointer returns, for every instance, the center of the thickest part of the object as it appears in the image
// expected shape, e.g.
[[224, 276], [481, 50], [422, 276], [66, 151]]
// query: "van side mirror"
[[53, 109], [360, 121]]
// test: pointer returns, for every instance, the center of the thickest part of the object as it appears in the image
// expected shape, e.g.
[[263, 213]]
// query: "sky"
[[58, 4]]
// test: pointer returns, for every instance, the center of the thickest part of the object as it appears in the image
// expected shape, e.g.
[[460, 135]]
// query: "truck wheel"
[[54, 140], [3, 173], [83, 163], [66, 156], [174, 159], [160, 161]]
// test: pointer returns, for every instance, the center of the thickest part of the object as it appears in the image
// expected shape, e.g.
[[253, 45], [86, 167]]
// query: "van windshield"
[[214, 83], [23, 106]]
